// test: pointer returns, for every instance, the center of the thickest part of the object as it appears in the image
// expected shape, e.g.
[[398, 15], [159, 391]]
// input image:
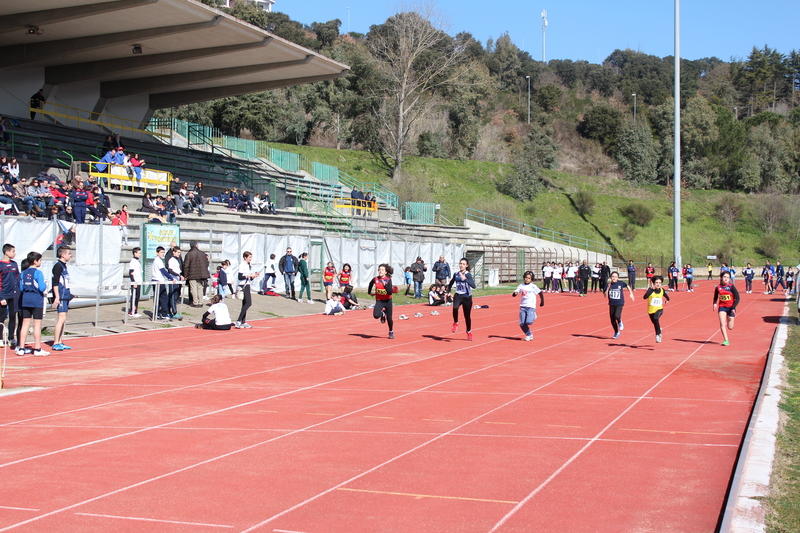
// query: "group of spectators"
[[241, 201], [178, 201], [362, 201], [115, 155]]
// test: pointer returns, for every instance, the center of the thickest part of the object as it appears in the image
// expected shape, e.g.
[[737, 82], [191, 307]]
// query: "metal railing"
[[384, 195], [420, 213], [38, 145], [127, 176], [537, 232], [329, 217], [95, 122]]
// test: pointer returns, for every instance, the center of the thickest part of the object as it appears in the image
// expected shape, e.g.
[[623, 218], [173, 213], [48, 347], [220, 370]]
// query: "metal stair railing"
[[384, 195], [330, 216], [537, 232]]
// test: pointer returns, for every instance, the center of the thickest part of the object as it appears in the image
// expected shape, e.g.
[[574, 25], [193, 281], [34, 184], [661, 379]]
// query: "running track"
[[323, 425]]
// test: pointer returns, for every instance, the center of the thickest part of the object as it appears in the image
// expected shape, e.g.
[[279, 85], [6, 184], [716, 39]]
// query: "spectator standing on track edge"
[[195, 270], [584, 273], [288, 265], [442, 270], [61, 296], [418, 270], [631, 275], [9, 293]]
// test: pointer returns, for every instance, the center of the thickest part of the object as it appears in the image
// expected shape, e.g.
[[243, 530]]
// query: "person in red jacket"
[[726, 298], [328, 277], [382, 284]]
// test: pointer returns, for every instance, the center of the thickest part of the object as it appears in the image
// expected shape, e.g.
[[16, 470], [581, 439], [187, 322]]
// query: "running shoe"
[[401, 317], [311, 301], [40, 353], [725, 343], [658, 338], [383, 317], [177, 316], [418, 315], [237, 325], [455, 327], [621, 327], [57, 347], [434, 313], [391, 334], [528, 337], [616, 335], [469, 336], [19, 351]]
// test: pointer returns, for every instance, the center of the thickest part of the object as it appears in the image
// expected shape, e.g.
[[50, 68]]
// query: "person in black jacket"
[[288, 265], [584, 273]]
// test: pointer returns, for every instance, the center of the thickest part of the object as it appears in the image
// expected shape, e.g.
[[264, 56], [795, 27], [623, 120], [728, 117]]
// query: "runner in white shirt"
[[527, 306], [558, 272], [548, 277]]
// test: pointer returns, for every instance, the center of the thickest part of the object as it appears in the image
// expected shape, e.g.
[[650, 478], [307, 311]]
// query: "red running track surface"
[[323, 425]]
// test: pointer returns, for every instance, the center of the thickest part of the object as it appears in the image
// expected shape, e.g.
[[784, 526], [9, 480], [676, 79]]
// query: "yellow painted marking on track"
[[682, 432], [421, 496], [502, 423], [386, 417], [437, 420], [321, 414], [262, 411], [558, 426]]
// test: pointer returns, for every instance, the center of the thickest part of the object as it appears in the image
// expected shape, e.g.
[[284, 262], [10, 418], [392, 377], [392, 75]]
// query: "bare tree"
[[416, 58]]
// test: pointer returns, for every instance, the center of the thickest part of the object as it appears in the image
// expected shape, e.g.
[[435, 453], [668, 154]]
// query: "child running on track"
[[382, 284], [328, 276], [728, 297], [527, 306], [464, 285], [345, 275], [656, 297], [616, 300]]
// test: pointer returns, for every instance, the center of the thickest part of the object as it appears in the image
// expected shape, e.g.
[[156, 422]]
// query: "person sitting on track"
[[221, 320]]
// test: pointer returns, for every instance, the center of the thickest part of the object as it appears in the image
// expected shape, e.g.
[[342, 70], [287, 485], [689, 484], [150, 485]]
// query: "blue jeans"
[[288, 278], [418, 289], [526, 317]]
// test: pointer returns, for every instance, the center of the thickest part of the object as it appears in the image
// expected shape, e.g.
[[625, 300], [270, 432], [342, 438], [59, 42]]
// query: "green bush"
[[629, 231], [770, 247], [638, 213], [584, 202]]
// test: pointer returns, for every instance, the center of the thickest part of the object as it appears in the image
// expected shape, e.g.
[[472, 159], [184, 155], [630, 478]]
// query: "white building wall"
[[16, 88]]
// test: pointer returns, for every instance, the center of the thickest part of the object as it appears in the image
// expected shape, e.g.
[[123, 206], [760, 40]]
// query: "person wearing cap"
[[418, 270]]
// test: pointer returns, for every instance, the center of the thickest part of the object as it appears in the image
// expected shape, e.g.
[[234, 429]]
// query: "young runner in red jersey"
[[728, 297]]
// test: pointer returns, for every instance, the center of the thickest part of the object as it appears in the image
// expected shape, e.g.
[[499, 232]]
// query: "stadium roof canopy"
[[174, 51]]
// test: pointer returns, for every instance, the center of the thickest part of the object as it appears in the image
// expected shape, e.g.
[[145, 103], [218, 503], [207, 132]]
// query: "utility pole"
[[544, 30], [677, 138], [529, 99]]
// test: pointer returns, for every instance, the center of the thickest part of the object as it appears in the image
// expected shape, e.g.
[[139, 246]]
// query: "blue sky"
[[592, 29]]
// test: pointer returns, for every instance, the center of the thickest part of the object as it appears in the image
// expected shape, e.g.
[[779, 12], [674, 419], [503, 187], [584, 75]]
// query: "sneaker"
[[616, 335], [621, 327], [528, 337], [469, 336], [401, 317], [19, 351], [311, 301], [2, 344], [455, 327], [383, 317], [176, 316], [245, 325], [434, 313], [40, 353], [237, 325], [658, 338], [391, 334], [725, 343], [57, 347], [418, 315]]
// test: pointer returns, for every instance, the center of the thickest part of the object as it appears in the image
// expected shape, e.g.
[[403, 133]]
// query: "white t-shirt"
[[332, 304], [557, 273], [269, 268], [158, 265], [572, 271], [528, 292], [548, 272], [135, 266], [221, 314]]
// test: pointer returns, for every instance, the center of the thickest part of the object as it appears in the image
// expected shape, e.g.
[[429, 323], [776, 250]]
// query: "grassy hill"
[[457, 185]]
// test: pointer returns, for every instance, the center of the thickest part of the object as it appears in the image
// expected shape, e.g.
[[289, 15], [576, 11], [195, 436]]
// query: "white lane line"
[[18, 508], [139, 519], [596, 438]]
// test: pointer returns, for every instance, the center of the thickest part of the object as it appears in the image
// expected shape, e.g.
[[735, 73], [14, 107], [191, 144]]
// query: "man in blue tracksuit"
[[109, 158], [9, 292]]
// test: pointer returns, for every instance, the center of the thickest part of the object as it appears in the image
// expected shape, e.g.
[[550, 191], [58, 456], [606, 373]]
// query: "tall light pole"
[[529, 99], [544, 28], [677, 138], [634, 107]]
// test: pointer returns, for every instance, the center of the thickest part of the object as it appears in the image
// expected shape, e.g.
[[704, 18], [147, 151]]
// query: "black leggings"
[[384, 307], [246, 303], [748, 284], [595, 281], [655, 319], [211, 323], [615, 313], [466, 301]]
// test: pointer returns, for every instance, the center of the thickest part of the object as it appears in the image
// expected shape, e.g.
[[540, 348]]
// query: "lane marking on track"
[[423, 496], [437, 420], [286, 531], [384, 417], [17, 508], [138, 519], [321, 414], [502, 423], [682, 432], [560, 426]]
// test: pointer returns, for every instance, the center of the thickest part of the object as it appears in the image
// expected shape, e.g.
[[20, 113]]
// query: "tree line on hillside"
[[414, 89]]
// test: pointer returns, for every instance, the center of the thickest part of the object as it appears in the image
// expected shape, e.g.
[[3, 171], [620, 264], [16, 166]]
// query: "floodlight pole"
[[529, 99], [544, 28], [634, 107], [677, 139]]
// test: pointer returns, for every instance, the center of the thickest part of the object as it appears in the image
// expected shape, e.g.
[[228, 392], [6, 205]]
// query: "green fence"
[[539, 233], [420, 213]]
